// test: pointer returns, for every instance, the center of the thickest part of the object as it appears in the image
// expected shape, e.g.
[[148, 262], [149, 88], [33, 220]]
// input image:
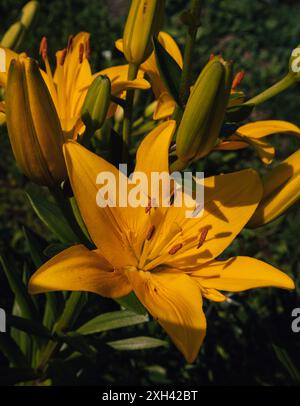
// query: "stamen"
[[43, 48], [151, 203], [70, 43], [238, 79], [63, 56], [81, 52], [150, 232], [203, 236], [175, 249]]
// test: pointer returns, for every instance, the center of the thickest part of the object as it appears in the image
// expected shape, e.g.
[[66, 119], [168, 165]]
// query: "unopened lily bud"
[[29, 13], [281, 189], [33, 125], [12, 36], [143, 22], [204, 112], [96, 103]]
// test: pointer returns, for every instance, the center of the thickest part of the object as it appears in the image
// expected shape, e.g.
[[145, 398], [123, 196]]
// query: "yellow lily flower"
[[281, 190], [253, 134], [72, 77], [168, 260], [165, 103]]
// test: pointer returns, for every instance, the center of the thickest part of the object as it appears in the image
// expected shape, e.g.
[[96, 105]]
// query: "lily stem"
[[272, 91], [184, 89], [127, 123]]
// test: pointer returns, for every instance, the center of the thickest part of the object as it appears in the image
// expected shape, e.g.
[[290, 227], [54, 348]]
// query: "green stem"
[[184, 89], [272, 91], [127, 123], [67, 319], [178, 165]]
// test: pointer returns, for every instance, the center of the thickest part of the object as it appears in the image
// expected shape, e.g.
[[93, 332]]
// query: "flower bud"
[[29, 13], [143, 22], [96, 103], [281, 189], [12, 36], [33, 125], [204, 112]]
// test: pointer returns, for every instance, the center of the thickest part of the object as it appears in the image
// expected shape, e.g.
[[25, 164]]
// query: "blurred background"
[[249, 339]]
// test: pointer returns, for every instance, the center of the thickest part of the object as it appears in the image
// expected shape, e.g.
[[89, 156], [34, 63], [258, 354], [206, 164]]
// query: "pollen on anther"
[[63, 56], [175, 249], [43, 48], [81, 52], [203, 236], [150, 233]]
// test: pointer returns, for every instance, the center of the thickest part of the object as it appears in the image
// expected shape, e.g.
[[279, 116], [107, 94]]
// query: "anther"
[[238, 79], [175, 249], [43, 48], [203, 236], [63, 56], [150, 232], [81, 52]]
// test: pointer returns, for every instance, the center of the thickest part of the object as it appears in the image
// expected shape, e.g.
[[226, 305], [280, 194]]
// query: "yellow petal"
[[260, 129], [264, 149], [107, 225], [152, 154], [229, 202], [165, 107], [231, 145], [79, 269], [242, 273], [281, 191], [174, 300]]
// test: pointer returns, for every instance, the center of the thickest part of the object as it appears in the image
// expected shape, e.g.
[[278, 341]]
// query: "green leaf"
[[169, 70], [28, 326], [288, 364], [80, 344], [36, 246], [239, 112], [131, 302], [22, 297], [111, 321], [51, 215], [137, 343], [11, 351]]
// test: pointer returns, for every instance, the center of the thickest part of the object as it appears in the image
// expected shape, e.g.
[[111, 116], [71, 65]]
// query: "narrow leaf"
[[111, 321], [239, 112], [11, 351], [131, 302], [137, 343], [51, 215], [28, 326], [169, 70]]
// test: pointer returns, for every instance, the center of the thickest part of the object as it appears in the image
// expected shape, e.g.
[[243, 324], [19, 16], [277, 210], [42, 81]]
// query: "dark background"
[[249, 341]]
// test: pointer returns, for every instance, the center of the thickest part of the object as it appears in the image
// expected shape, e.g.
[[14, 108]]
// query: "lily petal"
[[174, 300], [242, 273], [107, 225], [260, 129], [79, 269]]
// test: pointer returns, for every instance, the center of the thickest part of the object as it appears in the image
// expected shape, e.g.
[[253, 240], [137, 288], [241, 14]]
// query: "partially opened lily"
[[254, 134], [73, 76], [165, 103], [168, 260]]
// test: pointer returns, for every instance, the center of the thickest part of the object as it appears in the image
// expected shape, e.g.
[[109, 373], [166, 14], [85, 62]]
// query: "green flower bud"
[[12, 36], [294, 64], [29, 13], [143, 22], [96, 103], [204, 112]]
